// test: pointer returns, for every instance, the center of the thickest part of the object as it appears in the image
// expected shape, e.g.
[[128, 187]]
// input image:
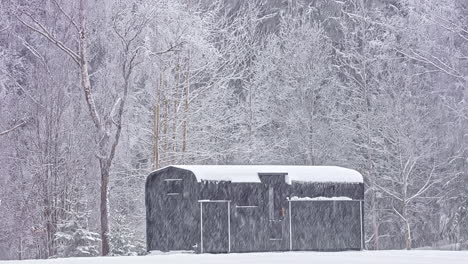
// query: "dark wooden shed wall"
[[171, 220], [319, 189], [326, 225]]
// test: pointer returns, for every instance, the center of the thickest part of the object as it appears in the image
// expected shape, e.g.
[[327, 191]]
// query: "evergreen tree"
[[74, 239], [123, 240]]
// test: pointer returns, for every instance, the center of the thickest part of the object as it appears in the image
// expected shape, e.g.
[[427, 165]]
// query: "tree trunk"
[[156, 137], [407, 228], [157, 123], [375, 224], [105, 248], [186, 108], [176, 108], [20, 248], [408, 237]]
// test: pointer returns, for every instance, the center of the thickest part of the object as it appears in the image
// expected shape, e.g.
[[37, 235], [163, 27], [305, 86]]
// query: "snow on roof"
[[321, 198], [249, 173]]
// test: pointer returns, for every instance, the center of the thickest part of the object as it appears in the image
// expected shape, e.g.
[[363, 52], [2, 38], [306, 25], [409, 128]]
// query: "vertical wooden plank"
[[361, 222], [290, 227], [229, 225], [201, 227], [271, 203]]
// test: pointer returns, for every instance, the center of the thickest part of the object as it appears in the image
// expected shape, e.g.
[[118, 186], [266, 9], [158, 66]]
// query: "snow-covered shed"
[[251, 208]]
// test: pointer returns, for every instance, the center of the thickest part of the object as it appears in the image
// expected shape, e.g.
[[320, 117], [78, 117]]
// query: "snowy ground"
[[351, 257]]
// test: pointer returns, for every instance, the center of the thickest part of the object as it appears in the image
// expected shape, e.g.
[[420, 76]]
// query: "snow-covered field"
[[351, 257]]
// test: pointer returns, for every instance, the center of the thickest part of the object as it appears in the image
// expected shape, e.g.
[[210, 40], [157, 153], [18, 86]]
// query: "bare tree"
[[108, 124]]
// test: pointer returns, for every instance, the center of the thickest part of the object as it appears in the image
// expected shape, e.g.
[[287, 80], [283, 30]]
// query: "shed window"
[[174, 186]]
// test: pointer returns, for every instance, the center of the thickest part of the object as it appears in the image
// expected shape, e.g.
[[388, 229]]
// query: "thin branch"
[[426, 185], [45, 33], [457, 27], [24, 122], [112, 112], [122, 39], [399, 214], [67, 16], [170, 49], [25, 91], [388, 192], [35, 52], [422, 59]]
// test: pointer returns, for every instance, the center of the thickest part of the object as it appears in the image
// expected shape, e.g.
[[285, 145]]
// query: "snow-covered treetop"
[[250, 173]]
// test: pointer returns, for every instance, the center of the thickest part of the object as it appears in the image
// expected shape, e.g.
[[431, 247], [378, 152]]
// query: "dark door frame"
[[228, 221]]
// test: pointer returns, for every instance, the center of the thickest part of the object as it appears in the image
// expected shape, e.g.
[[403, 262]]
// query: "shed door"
[[215, 233]]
